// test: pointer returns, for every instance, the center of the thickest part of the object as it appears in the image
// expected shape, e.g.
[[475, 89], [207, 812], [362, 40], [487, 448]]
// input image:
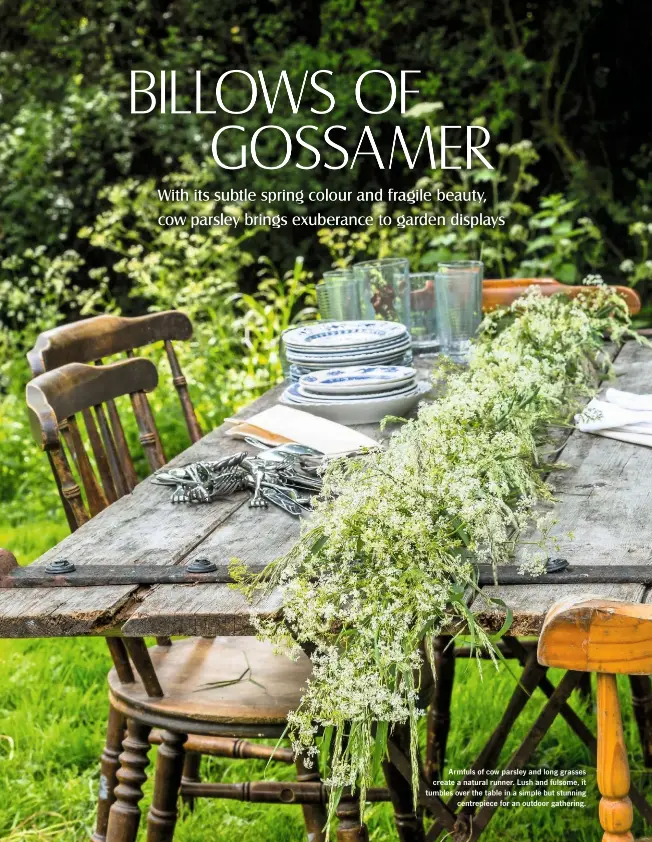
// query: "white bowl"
[[361, 411]]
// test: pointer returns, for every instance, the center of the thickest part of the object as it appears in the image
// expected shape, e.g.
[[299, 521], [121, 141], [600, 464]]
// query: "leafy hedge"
[[560, 77]]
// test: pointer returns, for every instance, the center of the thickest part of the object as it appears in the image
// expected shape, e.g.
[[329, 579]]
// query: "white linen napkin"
[[621, 415], [304, 428]]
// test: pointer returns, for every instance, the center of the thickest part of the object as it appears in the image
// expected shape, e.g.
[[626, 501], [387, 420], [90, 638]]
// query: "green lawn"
[[52, 710]]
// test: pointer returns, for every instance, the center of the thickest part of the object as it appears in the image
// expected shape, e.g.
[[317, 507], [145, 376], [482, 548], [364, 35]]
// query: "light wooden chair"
[[146, 688], [609, 638], [502, 292]]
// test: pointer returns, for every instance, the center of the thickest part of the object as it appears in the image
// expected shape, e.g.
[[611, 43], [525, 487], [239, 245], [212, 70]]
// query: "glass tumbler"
[[458, 292], [338, 296], [385, 289], [425, 332]]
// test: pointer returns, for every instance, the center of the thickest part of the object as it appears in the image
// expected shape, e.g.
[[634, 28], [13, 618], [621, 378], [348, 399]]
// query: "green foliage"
[[639, 268], [233, 355], [67, 131], [54, 161]]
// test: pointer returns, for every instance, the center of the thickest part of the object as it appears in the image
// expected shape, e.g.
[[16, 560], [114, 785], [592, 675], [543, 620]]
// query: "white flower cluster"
[[387, 558]]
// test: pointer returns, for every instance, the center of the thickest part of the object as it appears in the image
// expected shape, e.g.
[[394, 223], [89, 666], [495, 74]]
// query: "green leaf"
[[566, 273], [380, 746]]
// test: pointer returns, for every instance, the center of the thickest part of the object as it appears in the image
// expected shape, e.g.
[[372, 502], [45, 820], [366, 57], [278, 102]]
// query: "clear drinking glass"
[[338, 296], [385, 289], [458, 292], [425, 333]]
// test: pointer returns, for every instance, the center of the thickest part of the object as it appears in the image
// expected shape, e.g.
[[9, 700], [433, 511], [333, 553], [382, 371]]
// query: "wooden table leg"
[[409, 824], [124, 816], [439, 712], [109, 765], [162, 817]]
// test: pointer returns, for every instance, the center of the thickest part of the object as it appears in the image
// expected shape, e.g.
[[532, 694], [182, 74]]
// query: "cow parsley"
[[384, 563]]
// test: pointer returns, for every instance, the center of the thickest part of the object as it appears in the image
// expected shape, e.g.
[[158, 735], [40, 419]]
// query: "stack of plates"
[[324, 345], [357, 394]]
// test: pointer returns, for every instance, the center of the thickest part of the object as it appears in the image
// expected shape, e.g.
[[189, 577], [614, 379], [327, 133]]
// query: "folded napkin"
[[288, 424], [621, 415]]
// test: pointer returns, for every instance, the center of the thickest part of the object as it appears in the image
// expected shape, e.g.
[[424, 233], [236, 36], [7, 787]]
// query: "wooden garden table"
[[604, 500]]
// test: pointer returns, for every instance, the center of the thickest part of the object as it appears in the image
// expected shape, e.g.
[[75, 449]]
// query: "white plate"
[[393, 359], [357, 380], [337, 353], [362, 412], [347, 348], [335, 359], [338, 334], [298, 392]]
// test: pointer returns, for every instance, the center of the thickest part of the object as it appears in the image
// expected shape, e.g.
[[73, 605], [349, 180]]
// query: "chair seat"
[[264, 687]]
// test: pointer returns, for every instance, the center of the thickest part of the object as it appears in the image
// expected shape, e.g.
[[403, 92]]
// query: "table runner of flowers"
[[383, 564]]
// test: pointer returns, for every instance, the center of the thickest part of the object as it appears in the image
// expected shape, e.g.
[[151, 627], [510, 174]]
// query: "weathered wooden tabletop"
[[604, 500]]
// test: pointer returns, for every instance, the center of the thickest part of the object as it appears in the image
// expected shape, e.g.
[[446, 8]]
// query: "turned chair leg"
[[314, 815], [191, 769], [124, 816], [350, 827], [110, 763], [616, 814], [162, 817]]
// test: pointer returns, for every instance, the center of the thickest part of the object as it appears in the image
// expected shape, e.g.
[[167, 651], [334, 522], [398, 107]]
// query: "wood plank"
[[604, 500], [249, 535], [203, 610], [44, 612]]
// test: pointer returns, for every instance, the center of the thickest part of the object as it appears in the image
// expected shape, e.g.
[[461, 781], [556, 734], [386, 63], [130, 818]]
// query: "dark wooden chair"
[[608, 638], [91, 340], [160, 692]]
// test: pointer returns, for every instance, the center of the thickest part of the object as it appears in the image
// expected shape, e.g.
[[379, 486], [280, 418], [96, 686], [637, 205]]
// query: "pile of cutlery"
[[286, 476]]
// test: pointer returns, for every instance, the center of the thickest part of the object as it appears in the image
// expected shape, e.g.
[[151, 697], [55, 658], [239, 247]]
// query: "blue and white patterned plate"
[[295, 370], [358, 380], [359, 356], [342, 334], [349, 350], [367, 411], [392, 359]]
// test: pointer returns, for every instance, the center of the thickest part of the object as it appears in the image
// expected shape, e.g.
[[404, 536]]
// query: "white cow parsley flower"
[[385, 562]]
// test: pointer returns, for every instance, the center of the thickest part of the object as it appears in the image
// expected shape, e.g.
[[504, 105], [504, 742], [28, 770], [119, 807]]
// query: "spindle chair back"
[[608, 638], [54, 401], [92, 340]]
